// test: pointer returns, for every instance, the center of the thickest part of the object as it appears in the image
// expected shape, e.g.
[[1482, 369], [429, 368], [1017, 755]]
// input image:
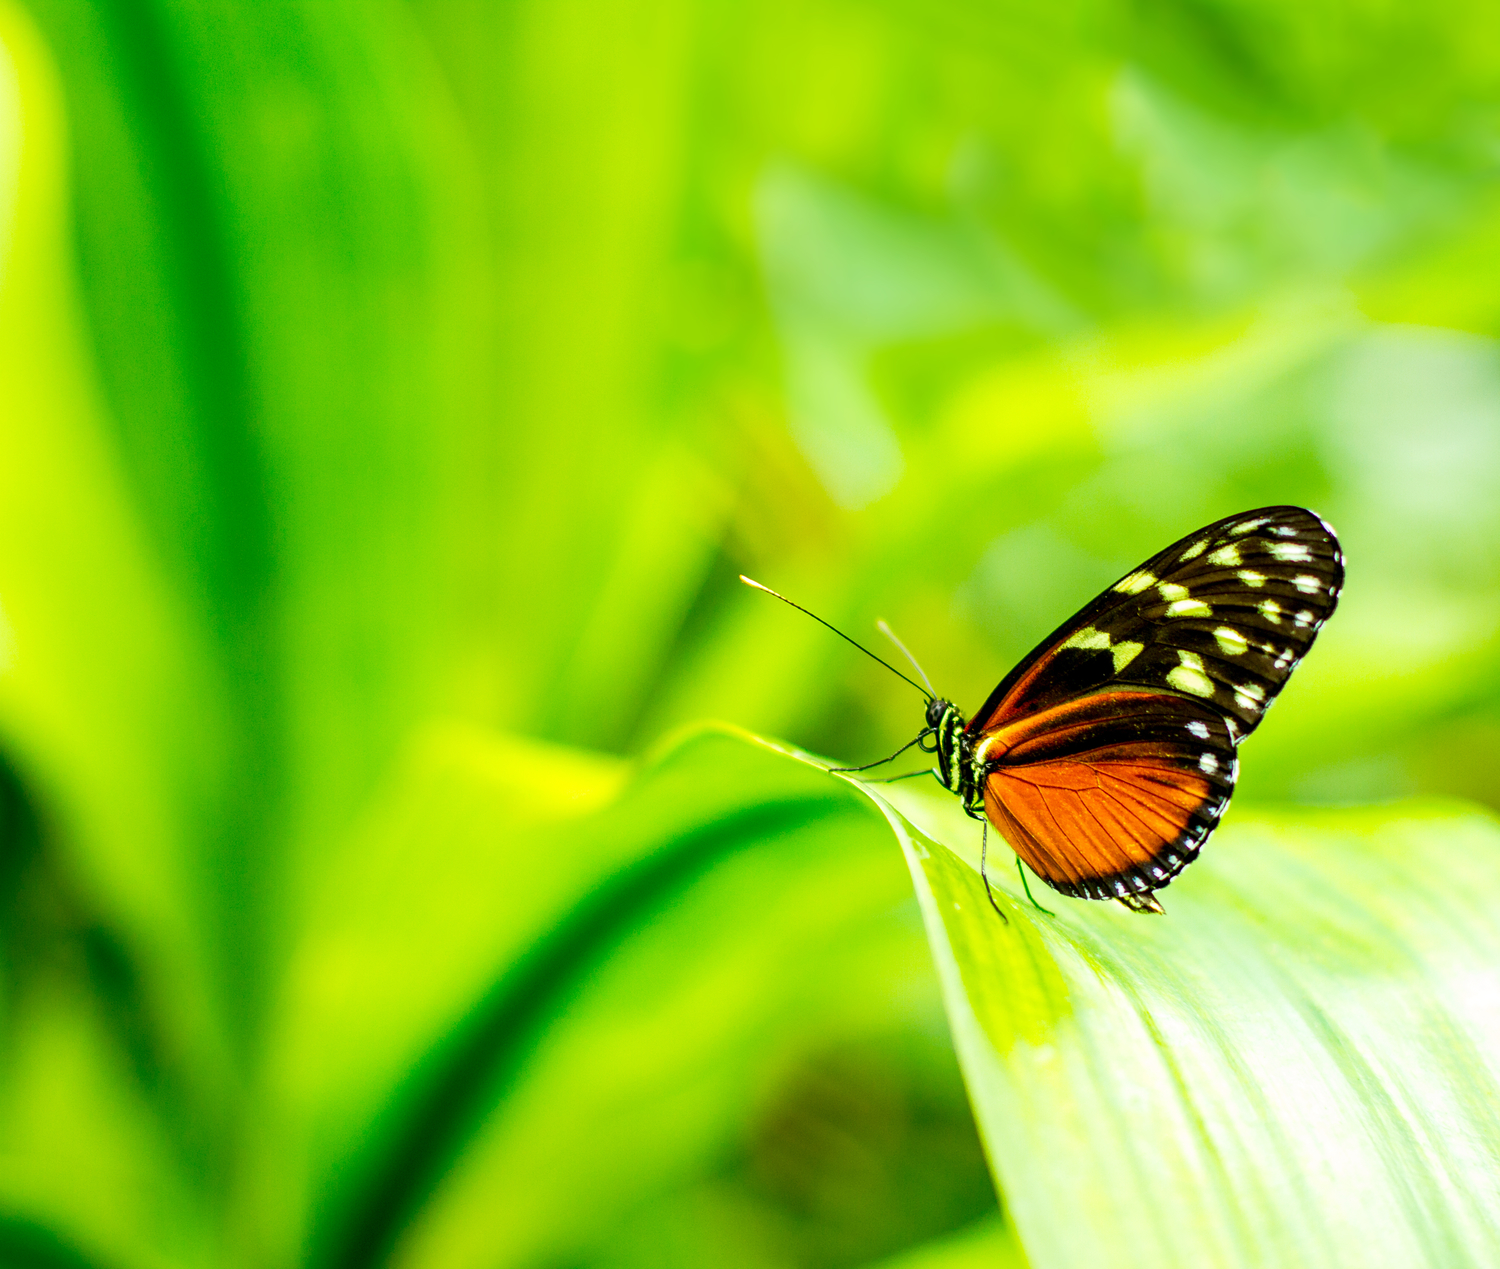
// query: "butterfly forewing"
[[1224, 615], [1110, 750]]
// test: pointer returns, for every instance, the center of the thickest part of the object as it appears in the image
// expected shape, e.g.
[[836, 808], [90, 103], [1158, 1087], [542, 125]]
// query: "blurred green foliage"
[[392, 392]]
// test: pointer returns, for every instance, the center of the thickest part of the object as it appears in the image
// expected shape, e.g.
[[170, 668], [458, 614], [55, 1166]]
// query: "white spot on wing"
[[1198, 729], [1136, 582], [1306, 583], [1189, 676], [1290, 551], [1169, 591], [1089, 639], [1231, 642], [1194, 551], [1208, 764], [1270, 610], [1304, 618], [1226, 556], [1125, 653], [1251, 578], [1248, 526], [1250, 696], [1189, 608]]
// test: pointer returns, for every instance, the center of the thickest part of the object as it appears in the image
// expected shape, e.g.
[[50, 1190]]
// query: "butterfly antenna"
[[906, 652], [750, 581]]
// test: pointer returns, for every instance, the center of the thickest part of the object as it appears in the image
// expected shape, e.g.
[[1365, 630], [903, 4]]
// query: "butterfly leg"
[[1026, 886], [984, 846], [881, 762], [910, 775]]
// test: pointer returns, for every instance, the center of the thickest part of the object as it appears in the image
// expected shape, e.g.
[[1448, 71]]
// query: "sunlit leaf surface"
[[1296, 1065], [1253, 1079]]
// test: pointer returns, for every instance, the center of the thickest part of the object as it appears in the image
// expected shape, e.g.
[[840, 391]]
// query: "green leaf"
[[1296, 1066]]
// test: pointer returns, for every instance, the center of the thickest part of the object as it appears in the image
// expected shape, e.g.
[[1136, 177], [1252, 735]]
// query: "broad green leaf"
[[1298, 1065]]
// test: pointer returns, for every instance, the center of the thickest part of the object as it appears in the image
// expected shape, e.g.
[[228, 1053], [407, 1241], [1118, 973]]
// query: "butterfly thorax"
[[955, 753]]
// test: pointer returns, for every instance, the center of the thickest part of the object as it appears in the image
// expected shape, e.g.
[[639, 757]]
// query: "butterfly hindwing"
[[1109, 752], [1113, 793]]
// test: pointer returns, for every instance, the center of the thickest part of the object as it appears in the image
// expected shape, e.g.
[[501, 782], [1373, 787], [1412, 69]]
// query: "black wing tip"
[[1280, 510]]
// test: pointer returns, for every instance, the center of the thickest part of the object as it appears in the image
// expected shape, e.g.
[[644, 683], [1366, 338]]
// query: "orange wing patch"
[[1099, 830], [1112, 795]]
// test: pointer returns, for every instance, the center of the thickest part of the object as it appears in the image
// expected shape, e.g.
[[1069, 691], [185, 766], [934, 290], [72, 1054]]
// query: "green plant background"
[[392, 393]]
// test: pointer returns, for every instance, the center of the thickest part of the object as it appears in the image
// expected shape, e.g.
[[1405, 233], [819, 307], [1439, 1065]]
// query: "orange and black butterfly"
[[1107, 756]]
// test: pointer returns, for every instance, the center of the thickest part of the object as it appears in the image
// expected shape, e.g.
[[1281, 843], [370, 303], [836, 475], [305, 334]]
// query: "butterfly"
[[1107, 757]]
